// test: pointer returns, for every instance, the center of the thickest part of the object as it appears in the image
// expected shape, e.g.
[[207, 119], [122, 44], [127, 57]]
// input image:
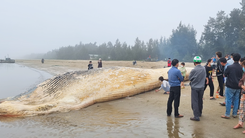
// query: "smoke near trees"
[[224, 33], [181, 44]]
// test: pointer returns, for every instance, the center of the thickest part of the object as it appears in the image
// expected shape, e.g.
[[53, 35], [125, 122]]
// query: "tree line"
[[224, 33]]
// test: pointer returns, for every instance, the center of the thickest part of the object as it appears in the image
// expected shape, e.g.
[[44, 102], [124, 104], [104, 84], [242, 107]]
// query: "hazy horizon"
[[40, 26]]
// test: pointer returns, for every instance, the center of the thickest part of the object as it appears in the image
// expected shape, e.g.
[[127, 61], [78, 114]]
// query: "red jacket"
[[169, 63]]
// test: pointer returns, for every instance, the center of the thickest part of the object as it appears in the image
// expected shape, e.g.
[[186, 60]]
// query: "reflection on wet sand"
[[89, 122], [173, 128], [141, 116], [198, 131]]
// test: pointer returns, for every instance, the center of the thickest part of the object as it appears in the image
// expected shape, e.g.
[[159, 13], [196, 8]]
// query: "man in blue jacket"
[[174, 79]]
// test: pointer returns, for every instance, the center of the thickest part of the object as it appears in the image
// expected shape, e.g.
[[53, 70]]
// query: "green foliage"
[[225, 33]]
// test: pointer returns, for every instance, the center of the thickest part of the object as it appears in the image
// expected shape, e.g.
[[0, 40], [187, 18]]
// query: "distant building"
[[93, 56]]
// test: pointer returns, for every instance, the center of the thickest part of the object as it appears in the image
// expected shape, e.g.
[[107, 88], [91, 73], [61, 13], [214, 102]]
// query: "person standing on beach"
[[209, 79], [134, 62], [242, 102], [224, 63], [234, 74], [183, 73], [227, 57], [197, 79], [174, 79], [243, 70], [100, 63], [230, 61], [227, 64], [214, 62], [169, 62], [90, 65], [219, 74]]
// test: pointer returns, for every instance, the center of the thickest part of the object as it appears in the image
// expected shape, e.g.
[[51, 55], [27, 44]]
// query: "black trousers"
[[211, 86], [221, 83], [197, 102], [174, 96]]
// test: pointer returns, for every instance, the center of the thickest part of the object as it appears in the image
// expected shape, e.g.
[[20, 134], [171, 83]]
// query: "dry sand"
[[143, 115]]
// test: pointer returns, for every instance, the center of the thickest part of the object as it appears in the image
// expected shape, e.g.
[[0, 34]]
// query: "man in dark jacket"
[[219, 74], [100, 63], [234, 74], [90, 65]]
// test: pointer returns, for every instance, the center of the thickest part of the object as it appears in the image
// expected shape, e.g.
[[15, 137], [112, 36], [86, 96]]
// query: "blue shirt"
[[174, 77], [230, 61], [227, 64]]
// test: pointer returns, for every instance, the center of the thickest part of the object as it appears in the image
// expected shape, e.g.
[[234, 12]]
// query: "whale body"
[[79, 89]]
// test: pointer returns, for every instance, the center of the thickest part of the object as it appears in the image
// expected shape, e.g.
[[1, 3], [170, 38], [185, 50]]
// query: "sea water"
[[18, 79]]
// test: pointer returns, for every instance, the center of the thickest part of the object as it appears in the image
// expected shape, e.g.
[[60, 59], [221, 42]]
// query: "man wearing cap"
[[197, 80]]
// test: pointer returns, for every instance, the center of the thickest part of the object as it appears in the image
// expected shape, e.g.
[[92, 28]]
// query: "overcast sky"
[[39, 26]]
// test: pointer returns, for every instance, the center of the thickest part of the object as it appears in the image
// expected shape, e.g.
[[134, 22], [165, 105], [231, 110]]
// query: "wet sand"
[[143, 115]]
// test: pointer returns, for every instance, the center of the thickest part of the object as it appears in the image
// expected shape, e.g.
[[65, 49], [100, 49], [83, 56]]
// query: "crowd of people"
[[231, 85]]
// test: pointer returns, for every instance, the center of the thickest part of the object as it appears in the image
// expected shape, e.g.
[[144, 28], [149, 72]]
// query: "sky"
[[39, 26]]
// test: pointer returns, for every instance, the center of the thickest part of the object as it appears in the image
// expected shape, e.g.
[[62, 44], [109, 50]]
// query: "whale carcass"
[[79, 89]]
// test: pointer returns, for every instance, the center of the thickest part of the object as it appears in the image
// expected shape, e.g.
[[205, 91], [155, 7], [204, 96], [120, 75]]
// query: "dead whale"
[[79, 89]]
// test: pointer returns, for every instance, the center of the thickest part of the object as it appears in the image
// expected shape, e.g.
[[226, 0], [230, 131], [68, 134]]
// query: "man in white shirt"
[[231, 61]]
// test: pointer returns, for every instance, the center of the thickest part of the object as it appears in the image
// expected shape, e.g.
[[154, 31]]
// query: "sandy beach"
[[143, 115]]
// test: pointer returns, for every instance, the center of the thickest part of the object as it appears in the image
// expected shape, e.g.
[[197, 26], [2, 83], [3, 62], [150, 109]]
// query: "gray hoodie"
[[197, 77]]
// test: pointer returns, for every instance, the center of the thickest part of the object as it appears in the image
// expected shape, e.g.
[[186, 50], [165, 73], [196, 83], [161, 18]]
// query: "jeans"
[[232, 96]]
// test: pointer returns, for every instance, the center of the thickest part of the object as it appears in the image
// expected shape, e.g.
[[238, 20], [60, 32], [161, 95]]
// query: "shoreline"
[[18, 79]]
